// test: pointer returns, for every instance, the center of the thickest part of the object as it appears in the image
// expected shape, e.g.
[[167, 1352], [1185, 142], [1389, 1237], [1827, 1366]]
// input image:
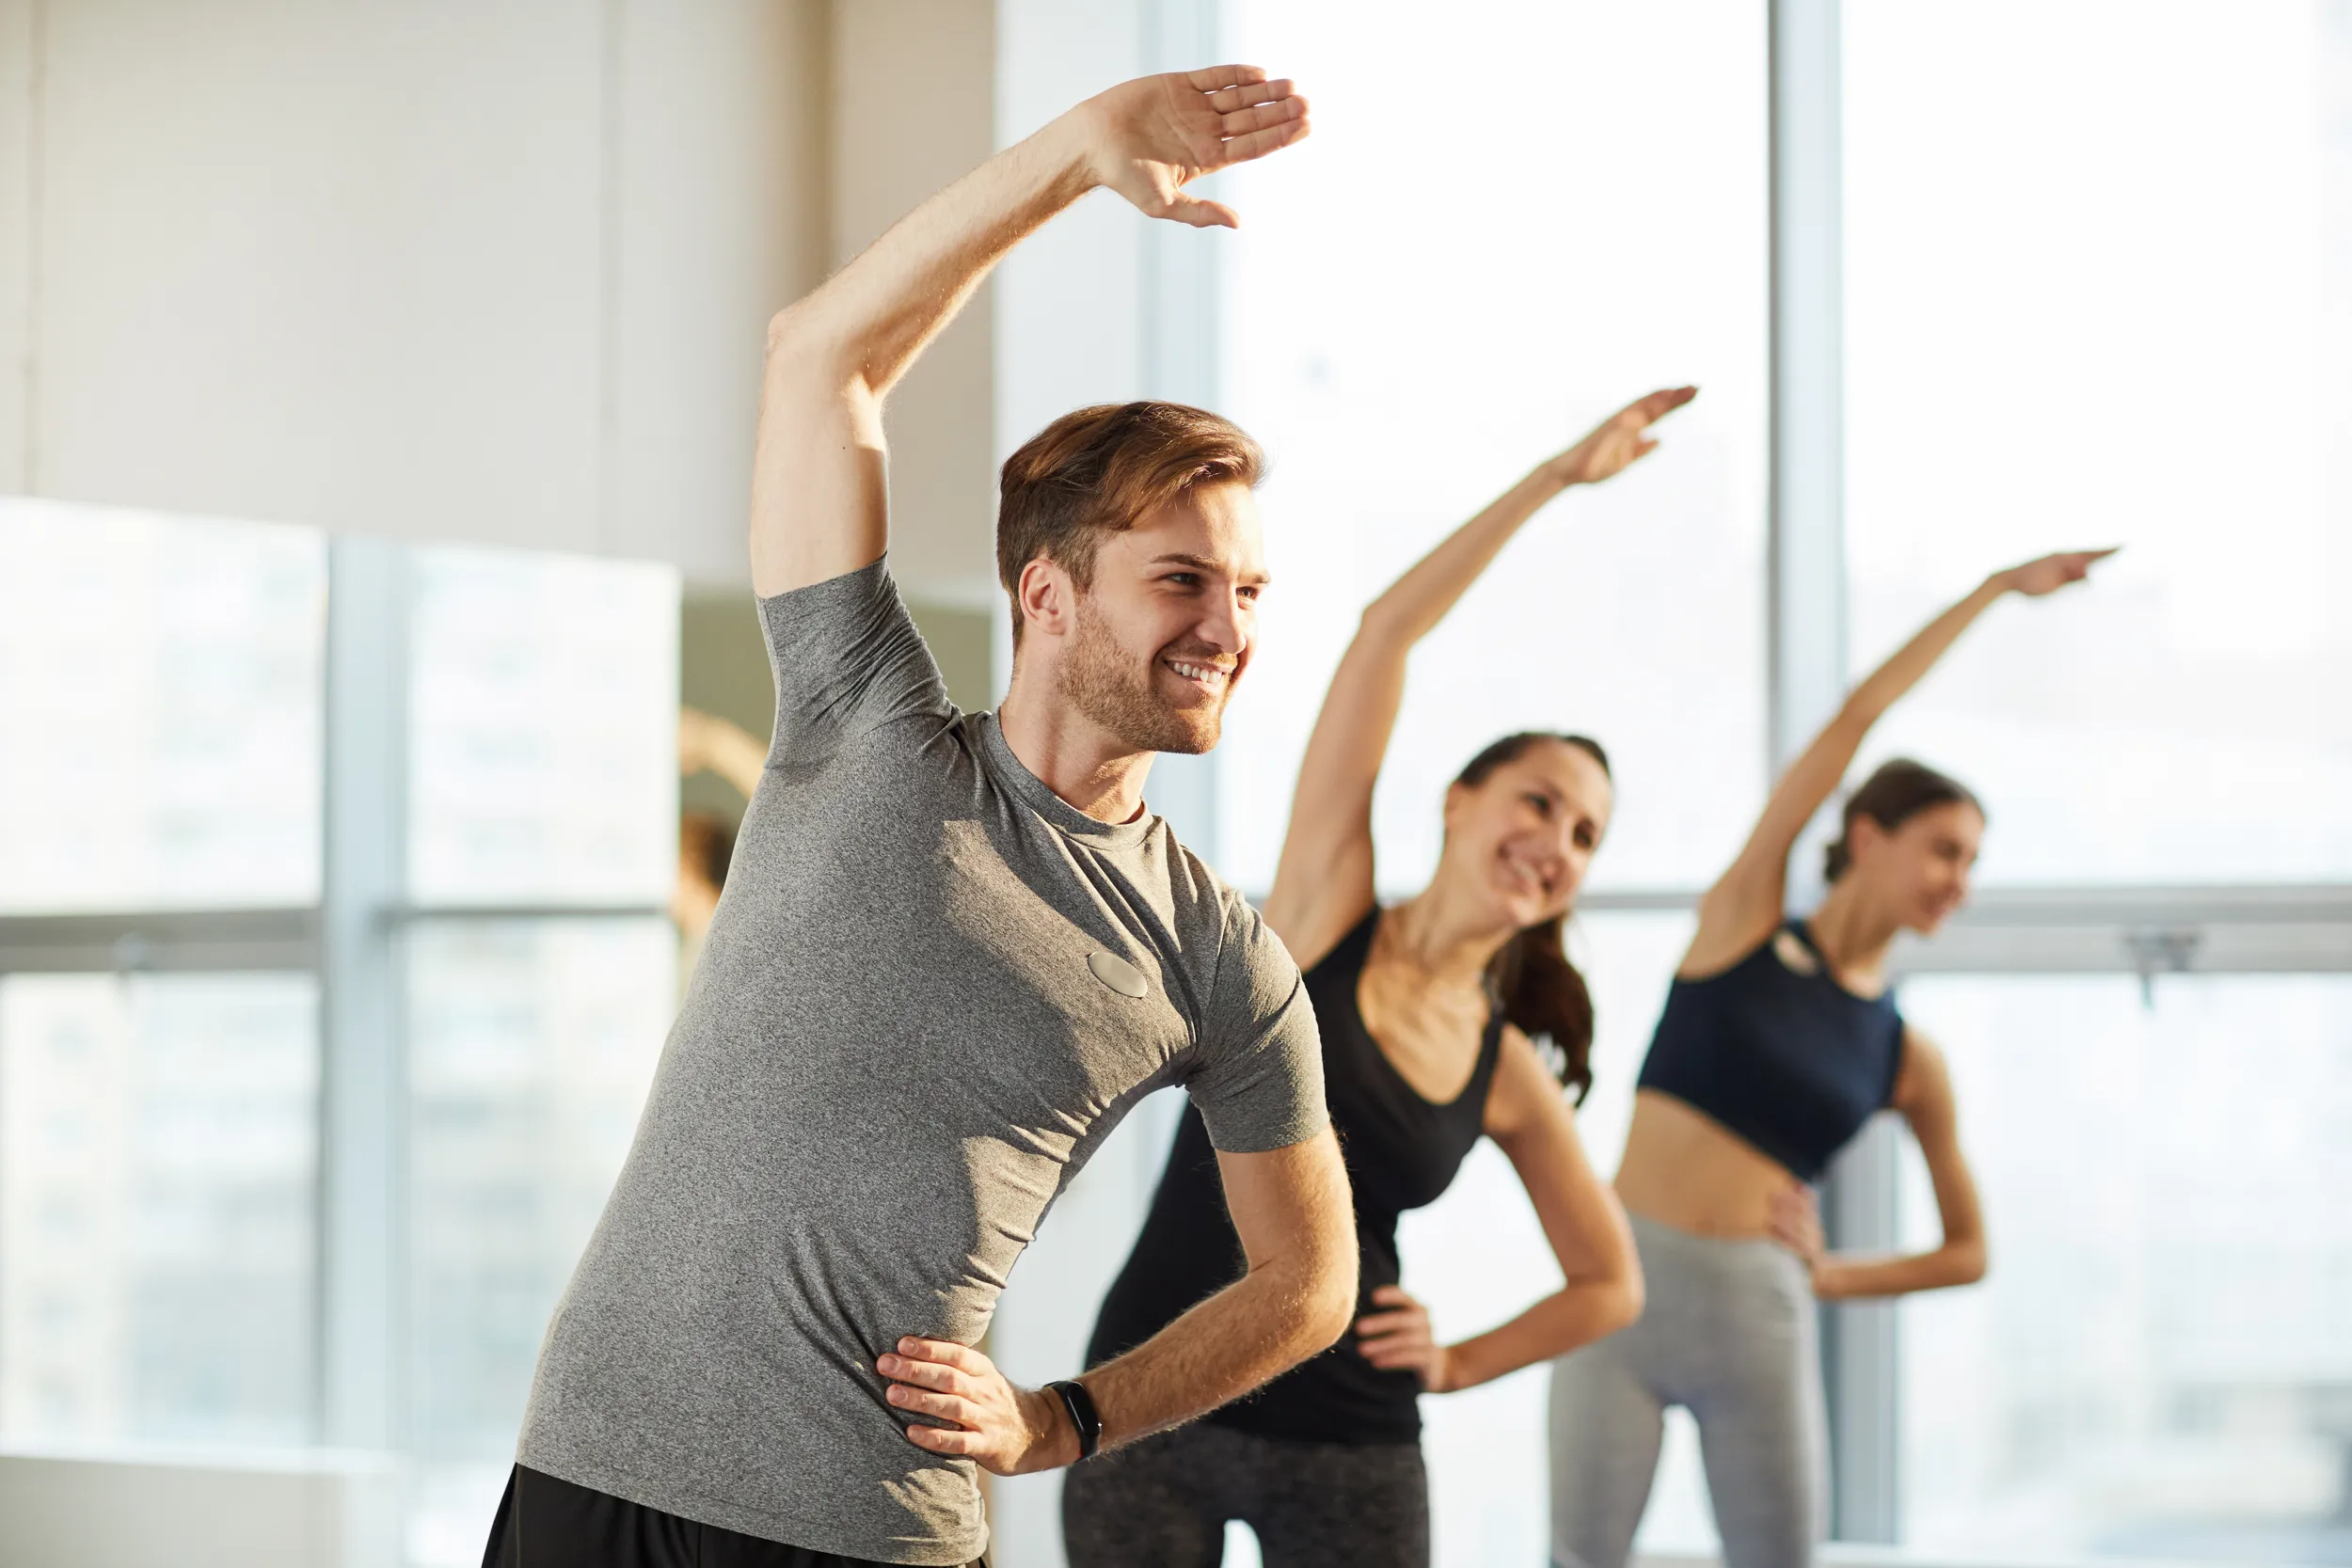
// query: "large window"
[[1419, 311], [159, 711], [2158, 1364], [158, 1162], [248, 775], [1413, 317], [2098, 290]]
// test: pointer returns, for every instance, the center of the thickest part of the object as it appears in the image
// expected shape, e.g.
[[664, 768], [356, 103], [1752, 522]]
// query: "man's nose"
[[1222, 625]]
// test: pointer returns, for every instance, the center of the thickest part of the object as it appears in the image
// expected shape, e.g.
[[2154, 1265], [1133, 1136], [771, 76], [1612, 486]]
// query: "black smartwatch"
[[1080, 1404]]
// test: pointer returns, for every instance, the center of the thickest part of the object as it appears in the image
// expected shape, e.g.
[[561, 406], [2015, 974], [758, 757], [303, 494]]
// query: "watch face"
[[1083, 1416]]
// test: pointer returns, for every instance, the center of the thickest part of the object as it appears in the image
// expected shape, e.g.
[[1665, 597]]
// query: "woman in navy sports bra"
[[1778, 1041], [1429, 1010]]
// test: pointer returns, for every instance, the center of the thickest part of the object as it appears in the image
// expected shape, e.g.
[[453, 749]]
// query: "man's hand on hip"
[[1007, 1430]]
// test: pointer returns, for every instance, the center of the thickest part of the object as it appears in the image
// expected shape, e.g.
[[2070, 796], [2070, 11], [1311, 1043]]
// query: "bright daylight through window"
[[166, 704], [1409, 332], [2098, 290]]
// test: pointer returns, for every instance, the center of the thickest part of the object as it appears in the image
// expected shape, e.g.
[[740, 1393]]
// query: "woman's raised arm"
[[1742, 908], [1324, 881]]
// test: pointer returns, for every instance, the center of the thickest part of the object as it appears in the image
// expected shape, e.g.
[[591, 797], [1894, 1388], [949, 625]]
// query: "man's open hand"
[[1147, 137], [1007, 1430]]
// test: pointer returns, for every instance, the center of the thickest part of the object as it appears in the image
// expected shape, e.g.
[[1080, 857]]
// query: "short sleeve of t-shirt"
[[1259, 1081], [847, 660]]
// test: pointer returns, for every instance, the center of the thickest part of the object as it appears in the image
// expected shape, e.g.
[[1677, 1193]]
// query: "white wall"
[[496, 273], [914, 107]]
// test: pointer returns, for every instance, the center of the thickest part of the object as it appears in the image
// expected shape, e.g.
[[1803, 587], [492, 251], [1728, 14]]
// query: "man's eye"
[[1185, 580]]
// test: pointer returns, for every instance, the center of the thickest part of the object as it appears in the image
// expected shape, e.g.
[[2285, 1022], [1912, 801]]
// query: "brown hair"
[[707, 844], [1899, 791], [1541, 992], [1096, 470]]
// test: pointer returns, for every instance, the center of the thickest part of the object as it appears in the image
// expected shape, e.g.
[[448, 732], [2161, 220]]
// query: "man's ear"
[[1048, 597]]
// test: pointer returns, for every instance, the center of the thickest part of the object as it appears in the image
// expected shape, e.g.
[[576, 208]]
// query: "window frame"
[[2148, 931], [350, 940]]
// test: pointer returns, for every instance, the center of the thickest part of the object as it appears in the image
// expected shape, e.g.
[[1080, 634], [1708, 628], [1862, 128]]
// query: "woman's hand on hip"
[[1399, 1338], [1794, 1220]]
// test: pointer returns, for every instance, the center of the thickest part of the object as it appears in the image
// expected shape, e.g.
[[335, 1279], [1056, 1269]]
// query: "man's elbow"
[[1327, 1306], [1969, 1262], [807, 345]]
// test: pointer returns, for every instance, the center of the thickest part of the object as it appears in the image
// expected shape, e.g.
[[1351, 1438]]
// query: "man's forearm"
[[1260, 1325], [874, 316]]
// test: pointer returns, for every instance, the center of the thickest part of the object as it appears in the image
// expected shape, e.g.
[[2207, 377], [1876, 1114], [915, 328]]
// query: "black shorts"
[[545, 1522]]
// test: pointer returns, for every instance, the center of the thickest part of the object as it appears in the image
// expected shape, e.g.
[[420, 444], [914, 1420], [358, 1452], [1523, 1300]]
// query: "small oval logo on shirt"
[[1118, 974], [1794, 955]]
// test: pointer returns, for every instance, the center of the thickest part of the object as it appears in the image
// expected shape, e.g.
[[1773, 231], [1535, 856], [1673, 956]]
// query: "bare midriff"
[[1684, 1169]]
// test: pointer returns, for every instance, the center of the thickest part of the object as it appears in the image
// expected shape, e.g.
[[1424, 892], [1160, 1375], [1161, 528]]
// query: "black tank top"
[[1778, 1052], [1402, 1152]]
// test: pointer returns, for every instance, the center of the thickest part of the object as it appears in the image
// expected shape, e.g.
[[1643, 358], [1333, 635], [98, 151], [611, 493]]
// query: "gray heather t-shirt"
[[893, 1055]]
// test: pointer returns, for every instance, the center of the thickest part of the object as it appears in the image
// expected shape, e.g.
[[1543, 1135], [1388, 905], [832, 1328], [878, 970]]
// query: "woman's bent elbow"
[[1627, 1302]]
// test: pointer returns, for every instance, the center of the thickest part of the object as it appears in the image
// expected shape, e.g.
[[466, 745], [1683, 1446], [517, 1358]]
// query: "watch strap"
[[1083, 1414]]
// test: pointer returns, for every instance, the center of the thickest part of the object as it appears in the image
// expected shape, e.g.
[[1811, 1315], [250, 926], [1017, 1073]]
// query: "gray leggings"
[[1162, 1503], [1729, 1333]]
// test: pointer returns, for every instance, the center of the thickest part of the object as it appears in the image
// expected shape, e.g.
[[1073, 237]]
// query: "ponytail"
[[1899, 791], [1544, 996], [1540, 992]]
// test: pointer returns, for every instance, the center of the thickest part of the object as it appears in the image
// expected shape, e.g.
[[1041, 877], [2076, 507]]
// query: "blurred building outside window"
[[167, 717]]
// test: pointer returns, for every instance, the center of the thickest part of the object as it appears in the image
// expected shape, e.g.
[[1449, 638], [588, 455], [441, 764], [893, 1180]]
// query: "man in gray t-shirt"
[[954, 949]]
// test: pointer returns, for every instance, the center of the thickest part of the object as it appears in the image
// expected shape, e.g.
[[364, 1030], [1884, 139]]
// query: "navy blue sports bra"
[[1778, 1052]]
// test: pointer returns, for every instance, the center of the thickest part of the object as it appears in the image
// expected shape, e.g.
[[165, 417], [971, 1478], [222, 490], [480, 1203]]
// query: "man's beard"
[[1101, 681]]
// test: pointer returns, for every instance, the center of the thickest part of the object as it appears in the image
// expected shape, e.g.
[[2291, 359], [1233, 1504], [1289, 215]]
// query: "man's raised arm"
[[819, 499]]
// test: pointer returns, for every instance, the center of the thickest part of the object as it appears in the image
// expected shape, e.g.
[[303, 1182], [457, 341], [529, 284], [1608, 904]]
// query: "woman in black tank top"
[[1430, 1013], [1778, 1041]]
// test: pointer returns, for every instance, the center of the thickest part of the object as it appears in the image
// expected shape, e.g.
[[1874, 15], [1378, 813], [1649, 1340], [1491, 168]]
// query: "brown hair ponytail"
[[1899, 790], [1546, 997], [1541, 992]]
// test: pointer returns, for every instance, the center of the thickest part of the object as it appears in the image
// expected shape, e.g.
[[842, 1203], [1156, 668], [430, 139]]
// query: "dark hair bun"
[[1899, 791]]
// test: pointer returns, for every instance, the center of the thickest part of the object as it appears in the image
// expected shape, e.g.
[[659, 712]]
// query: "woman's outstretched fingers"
[[2053, 572], [1661, 404]]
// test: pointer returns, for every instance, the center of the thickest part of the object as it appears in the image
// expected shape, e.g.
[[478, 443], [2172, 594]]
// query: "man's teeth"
[[1207, 675]]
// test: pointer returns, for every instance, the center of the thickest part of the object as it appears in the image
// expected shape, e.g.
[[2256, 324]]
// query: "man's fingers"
[[1201, 214], [923, 1402], [944, 1439], [1210, 78], [1259, 116], [946, 1352], [926, 1374], [1257, 144], [1260, 91]]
